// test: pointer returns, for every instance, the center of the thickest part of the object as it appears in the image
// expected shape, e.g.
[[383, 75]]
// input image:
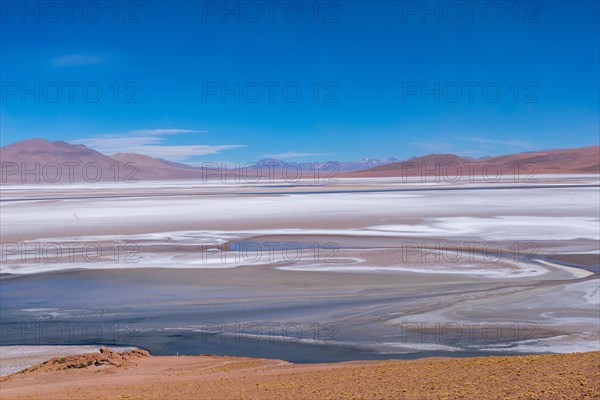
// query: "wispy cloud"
[[472, 146], [293, 154], [151, 143], [502, 142], [179, 153], [109, 142], [222, 164], [435, 146], [153, 132], [78, 60]]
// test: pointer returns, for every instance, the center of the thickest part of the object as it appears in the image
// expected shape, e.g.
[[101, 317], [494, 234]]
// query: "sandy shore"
[[136, 376]]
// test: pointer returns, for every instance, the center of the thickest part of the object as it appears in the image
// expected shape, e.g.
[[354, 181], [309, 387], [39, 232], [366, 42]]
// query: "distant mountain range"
[[43, 161], [349, 166], [583, 160]]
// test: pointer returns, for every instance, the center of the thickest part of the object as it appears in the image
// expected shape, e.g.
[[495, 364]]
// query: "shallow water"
[[192, 312], [169, 302]]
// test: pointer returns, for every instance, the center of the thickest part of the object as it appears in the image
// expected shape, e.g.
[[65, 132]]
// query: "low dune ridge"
[[136, 375]]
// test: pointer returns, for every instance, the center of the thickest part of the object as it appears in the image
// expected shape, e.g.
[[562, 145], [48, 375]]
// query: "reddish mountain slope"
[[42, 161], [559, 161], [580, 160], [152, 168]]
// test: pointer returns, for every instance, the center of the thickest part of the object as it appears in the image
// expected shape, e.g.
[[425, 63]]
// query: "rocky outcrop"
[[105, 358]]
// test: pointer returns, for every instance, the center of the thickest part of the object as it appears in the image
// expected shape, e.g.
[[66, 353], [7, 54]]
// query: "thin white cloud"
[[222, 164], [105, 143], [78, 60], [153, 132], [435, 146], [293, 154], [152, 144], [179, 153], [486, 141], [470, 146]]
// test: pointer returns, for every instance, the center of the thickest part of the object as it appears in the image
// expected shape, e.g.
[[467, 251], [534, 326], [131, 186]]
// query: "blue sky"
[[377, 78]]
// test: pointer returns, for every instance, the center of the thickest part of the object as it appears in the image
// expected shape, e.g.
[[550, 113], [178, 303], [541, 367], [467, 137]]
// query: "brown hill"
[[152, 168], [43, 161], [45, 151], [425, 163], [584, 160], [579, 160]]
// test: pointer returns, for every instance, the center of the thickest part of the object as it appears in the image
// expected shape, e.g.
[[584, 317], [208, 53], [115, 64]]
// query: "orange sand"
[[135, 375]]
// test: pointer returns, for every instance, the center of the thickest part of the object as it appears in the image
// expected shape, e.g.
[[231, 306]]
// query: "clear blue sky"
[[369, 59]]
